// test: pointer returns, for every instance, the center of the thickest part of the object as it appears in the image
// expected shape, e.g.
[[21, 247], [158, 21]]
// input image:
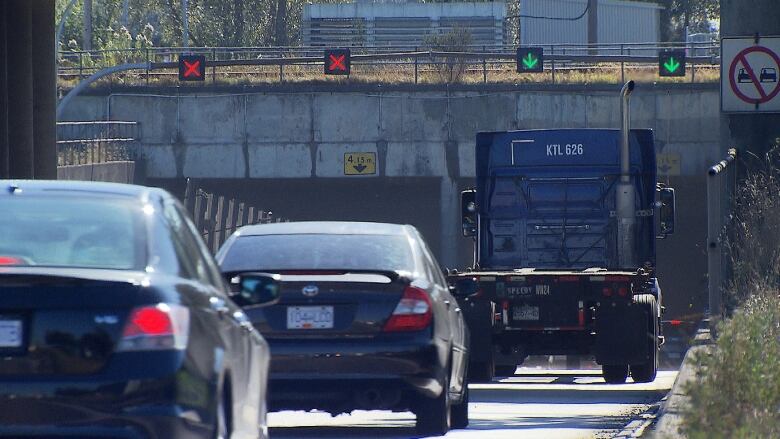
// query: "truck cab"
[[564, 223]]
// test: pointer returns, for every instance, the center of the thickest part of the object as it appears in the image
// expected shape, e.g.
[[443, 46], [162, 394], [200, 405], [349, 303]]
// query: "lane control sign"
[[530, 59], [750, 75], [192, 67], [671, 63], [337, 61]]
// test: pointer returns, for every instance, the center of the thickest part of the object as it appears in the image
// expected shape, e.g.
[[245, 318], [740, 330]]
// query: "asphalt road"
[[532, 404]]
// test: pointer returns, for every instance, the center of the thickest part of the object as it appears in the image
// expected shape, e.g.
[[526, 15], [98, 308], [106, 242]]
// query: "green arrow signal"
[[529, 61], [672, 65]]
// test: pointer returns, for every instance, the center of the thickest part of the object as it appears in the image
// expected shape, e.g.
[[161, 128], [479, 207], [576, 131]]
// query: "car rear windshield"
[[71, 232], [319, 252]]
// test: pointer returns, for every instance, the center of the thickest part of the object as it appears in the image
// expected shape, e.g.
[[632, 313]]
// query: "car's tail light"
[[10, 260], [156, 327], [413, 312]]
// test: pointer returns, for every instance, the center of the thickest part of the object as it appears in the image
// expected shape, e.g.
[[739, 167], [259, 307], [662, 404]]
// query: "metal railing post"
[[281, 66], [148, 64], [552, 62], [213, 67], [416, 58], [622, 67], [484, 65], [714, 227]]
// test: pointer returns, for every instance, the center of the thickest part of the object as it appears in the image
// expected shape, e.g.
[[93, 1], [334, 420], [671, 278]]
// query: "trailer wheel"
[[614, 374], [646, 372]]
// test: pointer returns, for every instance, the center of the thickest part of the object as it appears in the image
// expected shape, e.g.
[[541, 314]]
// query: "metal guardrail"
[[80, 143], [558, 57]]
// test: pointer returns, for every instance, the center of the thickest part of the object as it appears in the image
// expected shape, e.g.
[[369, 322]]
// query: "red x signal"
[[192, 69], [337, 62]]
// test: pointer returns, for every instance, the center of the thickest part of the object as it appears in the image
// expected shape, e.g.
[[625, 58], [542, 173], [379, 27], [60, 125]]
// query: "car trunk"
[[60, 324], [327, 305]]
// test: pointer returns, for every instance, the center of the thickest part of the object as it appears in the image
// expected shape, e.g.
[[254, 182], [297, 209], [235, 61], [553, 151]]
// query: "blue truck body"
[[550, 273], [546, 198]]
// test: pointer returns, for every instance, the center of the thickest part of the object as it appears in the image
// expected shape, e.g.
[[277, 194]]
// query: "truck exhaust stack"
[[626, 195]]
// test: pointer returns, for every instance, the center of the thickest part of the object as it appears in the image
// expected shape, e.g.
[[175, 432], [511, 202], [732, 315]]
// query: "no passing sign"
[[749, 75]]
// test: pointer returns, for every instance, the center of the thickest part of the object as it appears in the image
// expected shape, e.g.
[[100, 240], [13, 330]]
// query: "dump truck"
[[564, 224]]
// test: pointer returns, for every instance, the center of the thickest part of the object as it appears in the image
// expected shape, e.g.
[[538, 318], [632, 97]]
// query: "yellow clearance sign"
[[359, 163], [668, 164]]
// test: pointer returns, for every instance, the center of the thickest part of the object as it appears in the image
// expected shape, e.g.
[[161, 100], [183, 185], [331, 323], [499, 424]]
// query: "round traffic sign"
[[748, 85]]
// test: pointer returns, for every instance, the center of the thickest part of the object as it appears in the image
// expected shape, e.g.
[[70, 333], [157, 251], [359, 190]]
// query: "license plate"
[[525, 313], [309, 317], [10, 333]]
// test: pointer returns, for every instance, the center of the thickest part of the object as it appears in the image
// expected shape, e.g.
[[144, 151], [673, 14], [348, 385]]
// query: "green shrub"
[[737, 391]]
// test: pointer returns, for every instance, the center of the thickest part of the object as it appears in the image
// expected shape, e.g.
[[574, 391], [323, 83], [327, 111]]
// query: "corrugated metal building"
[[618, 22], [367, 23]]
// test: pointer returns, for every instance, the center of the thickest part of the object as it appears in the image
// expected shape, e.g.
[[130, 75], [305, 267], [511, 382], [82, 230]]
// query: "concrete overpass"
[[284, 149]]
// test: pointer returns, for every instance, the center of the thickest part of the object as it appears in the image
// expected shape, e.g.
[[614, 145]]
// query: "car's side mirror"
[[466, 287], [252, 290], [468, 210], [666, 211]]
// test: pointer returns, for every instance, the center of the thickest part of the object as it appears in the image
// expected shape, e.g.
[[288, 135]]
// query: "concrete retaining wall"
[[285, 152], [113, 172]]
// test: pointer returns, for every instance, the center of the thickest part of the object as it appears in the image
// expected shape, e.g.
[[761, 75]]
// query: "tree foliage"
[[700, 15]]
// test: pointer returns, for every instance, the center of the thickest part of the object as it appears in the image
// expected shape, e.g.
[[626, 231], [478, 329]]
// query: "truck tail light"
[[413, 312], [606, 292], [157, 327], [622, 291]]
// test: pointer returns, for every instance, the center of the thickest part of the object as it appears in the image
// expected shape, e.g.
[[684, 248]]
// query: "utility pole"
[[593, 25], [87, 35], [125, 13], [185, 18]]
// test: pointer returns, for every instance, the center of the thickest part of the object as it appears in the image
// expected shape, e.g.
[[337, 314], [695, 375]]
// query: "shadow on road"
[[511, 407]]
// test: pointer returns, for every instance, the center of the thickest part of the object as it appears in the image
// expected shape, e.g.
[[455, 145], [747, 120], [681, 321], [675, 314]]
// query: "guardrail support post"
[[484, 65]]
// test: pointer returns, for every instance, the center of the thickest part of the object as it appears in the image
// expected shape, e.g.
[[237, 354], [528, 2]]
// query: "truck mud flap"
[[621, 334], [479, 319]]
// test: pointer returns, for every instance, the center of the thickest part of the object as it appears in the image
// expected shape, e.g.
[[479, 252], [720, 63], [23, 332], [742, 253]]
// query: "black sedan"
[[365, 320], [115, 321]]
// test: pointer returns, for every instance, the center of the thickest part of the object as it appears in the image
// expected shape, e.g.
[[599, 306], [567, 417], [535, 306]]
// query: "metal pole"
[[125, 12], [714, 225], [625, 193]]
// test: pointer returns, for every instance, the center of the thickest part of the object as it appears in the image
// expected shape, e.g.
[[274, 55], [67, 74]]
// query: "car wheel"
[[646, 373], [433, 415], [459, 413], [615, 374], [223, 427]]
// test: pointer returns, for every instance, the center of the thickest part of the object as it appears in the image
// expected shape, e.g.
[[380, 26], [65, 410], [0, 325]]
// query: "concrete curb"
[[668, 420]]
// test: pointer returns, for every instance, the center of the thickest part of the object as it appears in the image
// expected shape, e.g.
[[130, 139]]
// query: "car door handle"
[[457, 310], [218, 304], [447, 302], [247, 326]]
